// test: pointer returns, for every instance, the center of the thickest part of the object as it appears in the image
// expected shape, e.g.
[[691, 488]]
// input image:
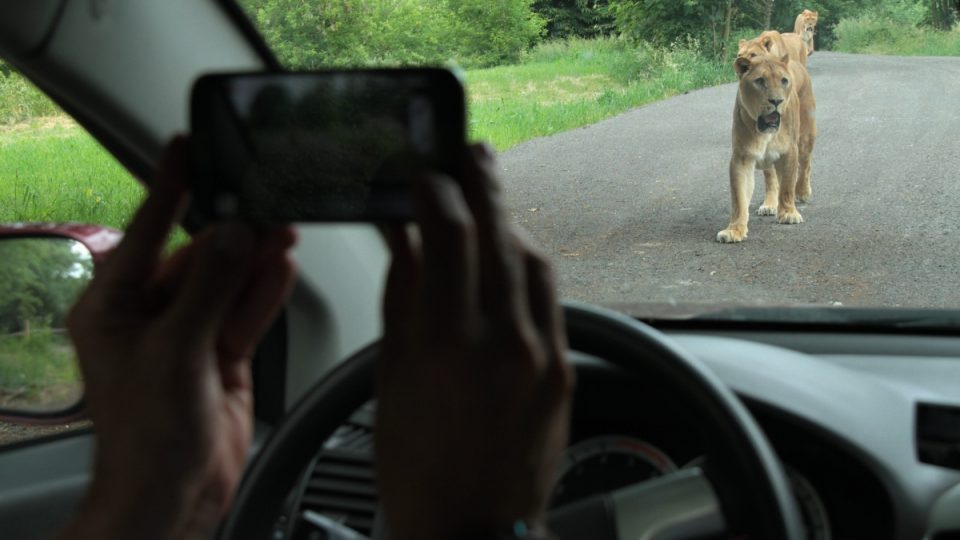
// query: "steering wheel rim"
[[608, 335]]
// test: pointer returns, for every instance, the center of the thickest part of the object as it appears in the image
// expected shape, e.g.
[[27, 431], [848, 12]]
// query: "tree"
[[396, 32], [943, 13], [575, 18], [664, 22], [39, 281]]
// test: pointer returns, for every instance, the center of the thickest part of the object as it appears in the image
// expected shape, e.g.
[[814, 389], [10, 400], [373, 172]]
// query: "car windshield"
[[613, 123]]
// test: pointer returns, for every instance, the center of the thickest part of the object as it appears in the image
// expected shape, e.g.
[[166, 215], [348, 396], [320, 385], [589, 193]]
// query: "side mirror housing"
[[43, 268]]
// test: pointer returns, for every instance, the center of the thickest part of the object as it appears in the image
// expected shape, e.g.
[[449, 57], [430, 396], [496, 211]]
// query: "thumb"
[[222, 261]]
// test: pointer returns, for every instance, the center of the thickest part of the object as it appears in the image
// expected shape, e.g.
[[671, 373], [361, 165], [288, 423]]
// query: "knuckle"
[[458, 227], [523, 347]]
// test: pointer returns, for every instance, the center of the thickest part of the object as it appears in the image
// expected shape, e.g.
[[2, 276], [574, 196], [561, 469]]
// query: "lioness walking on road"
[[806, 25], [773, 124]]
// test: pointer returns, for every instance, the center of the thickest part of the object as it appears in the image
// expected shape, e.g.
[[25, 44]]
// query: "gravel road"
[[629, 208]]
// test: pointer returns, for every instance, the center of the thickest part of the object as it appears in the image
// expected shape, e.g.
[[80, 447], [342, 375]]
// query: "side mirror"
[[43, 268]]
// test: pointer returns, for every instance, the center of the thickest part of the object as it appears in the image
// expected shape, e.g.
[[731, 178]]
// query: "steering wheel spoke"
[[680, 505]]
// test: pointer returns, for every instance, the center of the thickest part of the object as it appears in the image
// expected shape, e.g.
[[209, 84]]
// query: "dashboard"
[[841, 411]]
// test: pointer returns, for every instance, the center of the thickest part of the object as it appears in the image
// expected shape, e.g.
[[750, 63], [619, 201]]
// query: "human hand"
[[164, 345], [473, 388]]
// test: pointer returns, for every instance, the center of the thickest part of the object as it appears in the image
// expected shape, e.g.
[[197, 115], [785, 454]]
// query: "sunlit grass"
[[872, 34], [53, 171], [564, 85]]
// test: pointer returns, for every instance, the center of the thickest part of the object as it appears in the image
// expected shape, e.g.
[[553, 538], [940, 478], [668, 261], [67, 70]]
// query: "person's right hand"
[[473, 387]]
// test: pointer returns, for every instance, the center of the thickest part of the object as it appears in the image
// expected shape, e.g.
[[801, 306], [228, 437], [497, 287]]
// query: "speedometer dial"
[[814, 513], [603, 464]]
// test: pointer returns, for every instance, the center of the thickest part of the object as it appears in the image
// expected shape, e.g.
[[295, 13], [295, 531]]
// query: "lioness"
[[773, 124], [776, 44], [805, 25]]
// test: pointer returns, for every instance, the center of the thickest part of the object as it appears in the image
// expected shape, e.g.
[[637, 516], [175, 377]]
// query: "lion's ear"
[[785, 59], [767, 43], [741, 65], [742, 41]]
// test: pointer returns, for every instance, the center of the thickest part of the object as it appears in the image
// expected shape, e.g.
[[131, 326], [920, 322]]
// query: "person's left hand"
[[164, 345]]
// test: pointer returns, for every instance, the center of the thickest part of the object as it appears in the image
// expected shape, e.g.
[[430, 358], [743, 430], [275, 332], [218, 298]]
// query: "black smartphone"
[[321, 146]]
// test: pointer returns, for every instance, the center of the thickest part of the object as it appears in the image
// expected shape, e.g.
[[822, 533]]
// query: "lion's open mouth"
[[769, 122]]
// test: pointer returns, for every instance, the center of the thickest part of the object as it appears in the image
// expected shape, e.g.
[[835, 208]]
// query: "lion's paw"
[[790, 218], [731, 236], [803, 195], [765, 210]]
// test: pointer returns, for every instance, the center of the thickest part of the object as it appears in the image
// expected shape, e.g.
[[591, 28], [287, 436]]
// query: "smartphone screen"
[[323, 146]]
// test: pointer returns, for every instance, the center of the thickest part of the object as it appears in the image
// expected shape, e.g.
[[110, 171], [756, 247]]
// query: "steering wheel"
[[744, 488]]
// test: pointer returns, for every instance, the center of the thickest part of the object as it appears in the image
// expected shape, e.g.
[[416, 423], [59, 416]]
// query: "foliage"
[[711, 22], [492, 32], [575, 18], [879, 33], [707, 23], [39, 280], [39, 372], [943, 14], [20, 100], [313, 35]]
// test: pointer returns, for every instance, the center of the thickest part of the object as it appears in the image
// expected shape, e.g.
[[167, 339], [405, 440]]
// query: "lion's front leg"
[[741, 191], [772, 183], [804, 191], [787, 168]]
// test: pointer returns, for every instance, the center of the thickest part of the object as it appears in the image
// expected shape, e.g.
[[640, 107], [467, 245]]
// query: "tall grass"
[[880, 33], [566, 84], [51, 170], [38, 371], [21, 101]]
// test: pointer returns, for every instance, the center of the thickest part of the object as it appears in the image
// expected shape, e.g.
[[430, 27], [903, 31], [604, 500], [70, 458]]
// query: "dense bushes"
[[903, 28], [396, 32]]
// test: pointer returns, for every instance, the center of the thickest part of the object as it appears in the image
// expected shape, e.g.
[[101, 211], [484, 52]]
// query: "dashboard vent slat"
[[341, 484]]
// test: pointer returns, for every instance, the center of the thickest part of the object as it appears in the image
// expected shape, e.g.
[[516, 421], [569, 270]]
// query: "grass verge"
[[875, 33], [51, 170], [567, 84]]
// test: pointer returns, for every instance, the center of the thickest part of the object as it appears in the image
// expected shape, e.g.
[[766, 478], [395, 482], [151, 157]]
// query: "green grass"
[[51, 170], [877, 34], [567, 84], [38, 372]]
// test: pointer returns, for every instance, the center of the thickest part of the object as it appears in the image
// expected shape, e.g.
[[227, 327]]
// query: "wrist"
[[144, 510], [516, 530]]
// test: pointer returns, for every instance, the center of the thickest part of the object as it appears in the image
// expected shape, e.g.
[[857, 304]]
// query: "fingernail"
[[233, 240]]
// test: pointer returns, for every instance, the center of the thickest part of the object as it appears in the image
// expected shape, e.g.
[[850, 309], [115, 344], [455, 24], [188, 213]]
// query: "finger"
[[399, 298], [548, 319], [135, 259], [449, 254], [402, 283], [501, 268], [261, 297], [221, 265]]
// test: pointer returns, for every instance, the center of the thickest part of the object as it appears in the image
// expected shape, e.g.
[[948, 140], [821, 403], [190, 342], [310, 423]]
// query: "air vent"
[[341, 485], [938, 435]]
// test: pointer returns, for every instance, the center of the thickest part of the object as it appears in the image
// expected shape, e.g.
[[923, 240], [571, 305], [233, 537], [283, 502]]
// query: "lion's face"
[[809, 20], [751, 49], [764, 89]]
